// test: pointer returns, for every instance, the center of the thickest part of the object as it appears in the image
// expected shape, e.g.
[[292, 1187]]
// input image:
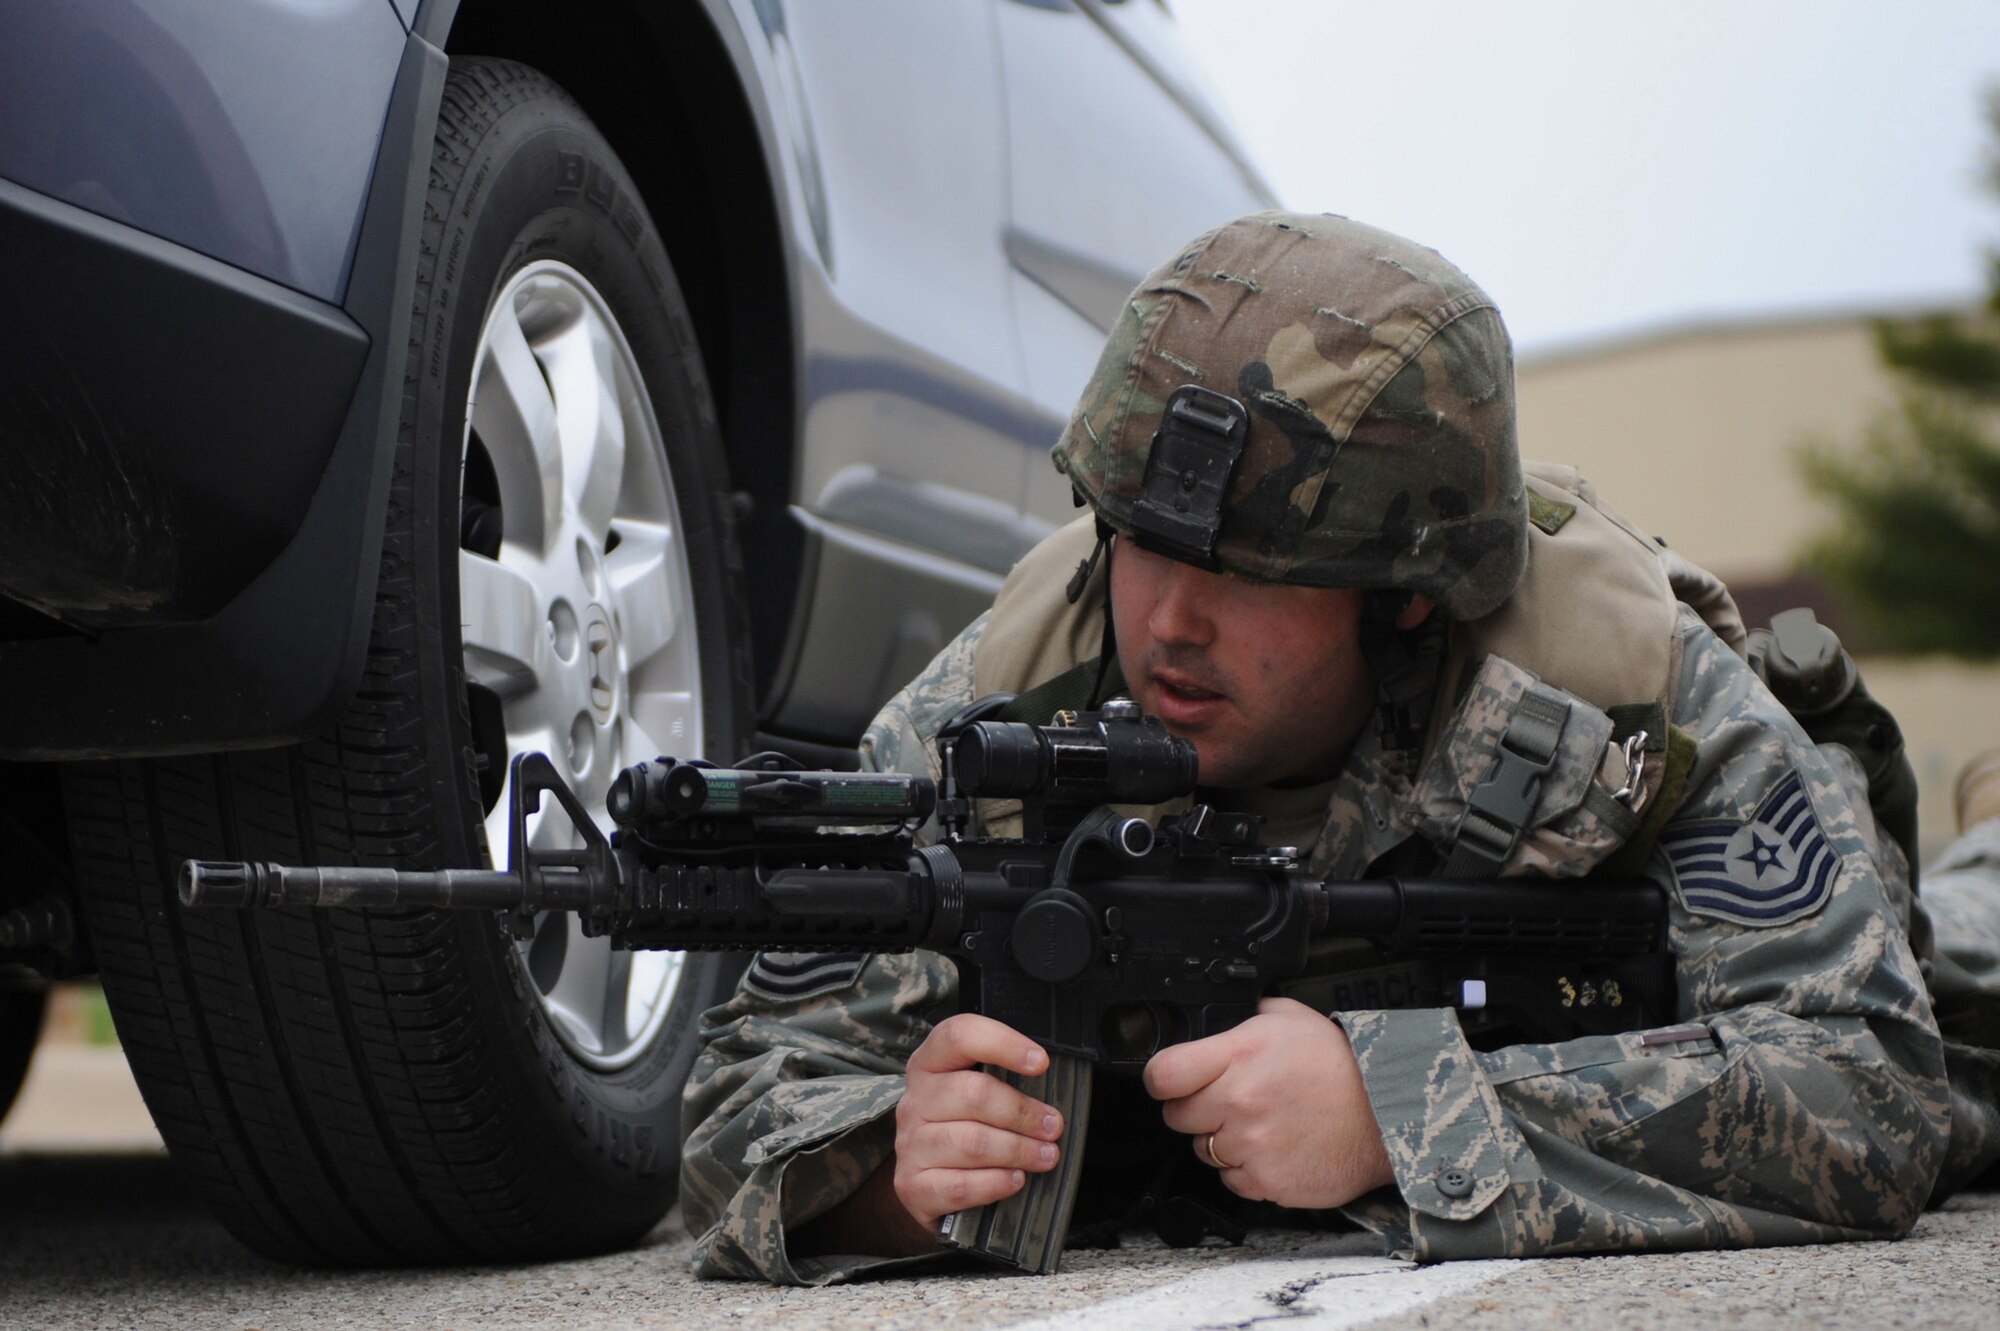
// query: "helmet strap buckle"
[[1188, 469]]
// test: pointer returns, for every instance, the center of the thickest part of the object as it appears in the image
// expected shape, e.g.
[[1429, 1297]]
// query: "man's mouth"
[[1181, 700]]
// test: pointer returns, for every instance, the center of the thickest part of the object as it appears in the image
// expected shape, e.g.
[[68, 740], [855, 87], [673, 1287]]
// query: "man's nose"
[[1181, 614]]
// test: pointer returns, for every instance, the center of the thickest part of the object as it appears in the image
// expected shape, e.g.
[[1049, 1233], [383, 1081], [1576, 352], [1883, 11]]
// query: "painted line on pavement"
[[1306, 1294]]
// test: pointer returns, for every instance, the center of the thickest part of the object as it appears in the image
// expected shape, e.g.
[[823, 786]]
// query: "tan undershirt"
[[1293, 815]]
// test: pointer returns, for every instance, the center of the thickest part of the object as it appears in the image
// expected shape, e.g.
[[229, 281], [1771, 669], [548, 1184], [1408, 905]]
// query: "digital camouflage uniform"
[[1800, 1096]]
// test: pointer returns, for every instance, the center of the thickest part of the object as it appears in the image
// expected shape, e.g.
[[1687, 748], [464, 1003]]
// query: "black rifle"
[[1097, 934]]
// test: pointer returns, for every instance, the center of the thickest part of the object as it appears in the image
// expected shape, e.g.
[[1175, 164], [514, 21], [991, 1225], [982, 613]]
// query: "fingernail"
[[1047, 1153], [1051, 1124]]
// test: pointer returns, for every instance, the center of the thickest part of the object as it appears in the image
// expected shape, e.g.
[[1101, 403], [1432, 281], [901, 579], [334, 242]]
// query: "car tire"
[[20, 1030], [351, 1088]]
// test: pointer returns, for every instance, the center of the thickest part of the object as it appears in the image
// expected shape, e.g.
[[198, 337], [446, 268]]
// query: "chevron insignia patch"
[[1774, 869], [790, 976]]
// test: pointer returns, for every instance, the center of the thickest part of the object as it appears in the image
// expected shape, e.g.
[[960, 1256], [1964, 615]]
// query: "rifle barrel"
[[257, 884]]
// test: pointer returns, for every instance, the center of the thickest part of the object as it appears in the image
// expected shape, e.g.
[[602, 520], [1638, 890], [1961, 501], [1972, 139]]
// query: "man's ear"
[[1416, 612]]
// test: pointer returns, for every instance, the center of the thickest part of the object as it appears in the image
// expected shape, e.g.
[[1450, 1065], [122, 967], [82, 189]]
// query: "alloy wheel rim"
[[576, 603]]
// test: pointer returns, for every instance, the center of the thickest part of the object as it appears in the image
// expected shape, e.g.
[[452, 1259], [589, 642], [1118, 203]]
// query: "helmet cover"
[[1321, 403]]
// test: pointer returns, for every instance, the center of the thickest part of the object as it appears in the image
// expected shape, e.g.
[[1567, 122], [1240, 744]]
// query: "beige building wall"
[[1949, 711], [1693, 434]]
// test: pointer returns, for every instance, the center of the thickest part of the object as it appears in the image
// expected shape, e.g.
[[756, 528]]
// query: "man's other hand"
[[1279, 1101], [963, 1137]]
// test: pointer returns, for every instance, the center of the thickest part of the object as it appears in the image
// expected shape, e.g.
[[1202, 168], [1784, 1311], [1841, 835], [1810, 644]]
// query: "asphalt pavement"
[[97, 1231]]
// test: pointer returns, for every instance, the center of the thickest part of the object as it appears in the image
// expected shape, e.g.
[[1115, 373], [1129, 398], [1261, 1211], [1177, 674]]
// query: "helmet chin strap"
[[1405, 664], [1081, 577], [1108, 651]]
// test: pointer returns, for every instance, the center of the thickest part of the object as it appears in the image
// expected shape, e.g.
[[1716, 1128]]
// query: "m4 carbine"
[[1098, 934]]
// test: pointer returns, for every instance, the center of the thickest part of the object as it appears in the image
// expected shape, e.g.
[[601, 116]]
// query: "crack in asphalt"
[[1284, 1301]]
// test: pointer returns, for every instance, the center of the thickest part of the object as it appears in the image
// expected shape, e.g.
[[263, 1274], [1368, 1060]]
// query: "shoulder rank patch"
[[1774, 869], [787, 977]]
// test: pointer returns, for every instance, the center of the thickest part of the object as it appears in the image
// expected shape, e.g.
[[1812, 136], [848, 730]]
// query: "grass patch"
[[96, 1016]]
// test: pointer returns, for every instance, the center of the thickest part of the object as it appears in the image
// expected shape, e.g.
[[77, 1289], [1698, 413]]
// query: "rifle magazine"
[[1026, 1231]]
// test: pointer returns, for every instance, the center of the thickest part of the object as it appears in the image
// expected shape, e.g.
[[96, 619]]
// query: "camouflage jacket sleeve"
[[1800, 1097], [1962, 894], [790, 1104]]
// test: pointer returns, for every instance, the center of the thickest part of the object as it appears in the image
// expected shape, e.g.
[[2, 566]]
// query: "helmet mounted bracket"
[[1188, 469]]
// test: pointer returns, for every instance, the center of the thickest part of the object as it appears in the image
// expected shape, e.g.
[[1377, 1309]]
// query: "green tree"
[[1914, 545]]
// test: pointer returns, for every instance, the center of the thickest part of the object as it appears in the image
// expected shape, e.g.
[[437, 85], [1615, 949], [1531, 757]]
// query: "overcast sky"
[[1615, 167]]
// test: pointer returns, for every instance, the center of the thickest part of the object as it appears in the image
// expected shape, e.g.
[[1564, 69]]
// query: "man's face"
[[1266, 679]]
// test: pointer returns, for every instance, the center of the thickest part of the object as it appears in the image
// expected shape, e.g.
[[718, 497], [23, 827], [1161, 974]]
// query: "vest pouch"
[[1571, 798]]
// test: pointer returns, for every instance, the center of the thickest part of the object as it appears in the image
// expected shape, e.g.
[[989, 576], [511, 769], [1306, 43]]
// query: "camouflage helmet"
[[1305, 399]]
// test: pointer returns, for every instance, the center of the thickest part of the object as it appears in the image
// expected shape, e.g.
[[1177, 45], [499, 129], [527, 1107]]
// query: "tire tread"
[[337, 1084]]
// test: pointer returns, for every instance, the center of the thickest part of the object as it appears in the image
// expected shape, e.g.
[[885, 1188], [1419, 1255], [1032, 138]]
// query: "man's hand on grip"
[[1280, 1100]]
